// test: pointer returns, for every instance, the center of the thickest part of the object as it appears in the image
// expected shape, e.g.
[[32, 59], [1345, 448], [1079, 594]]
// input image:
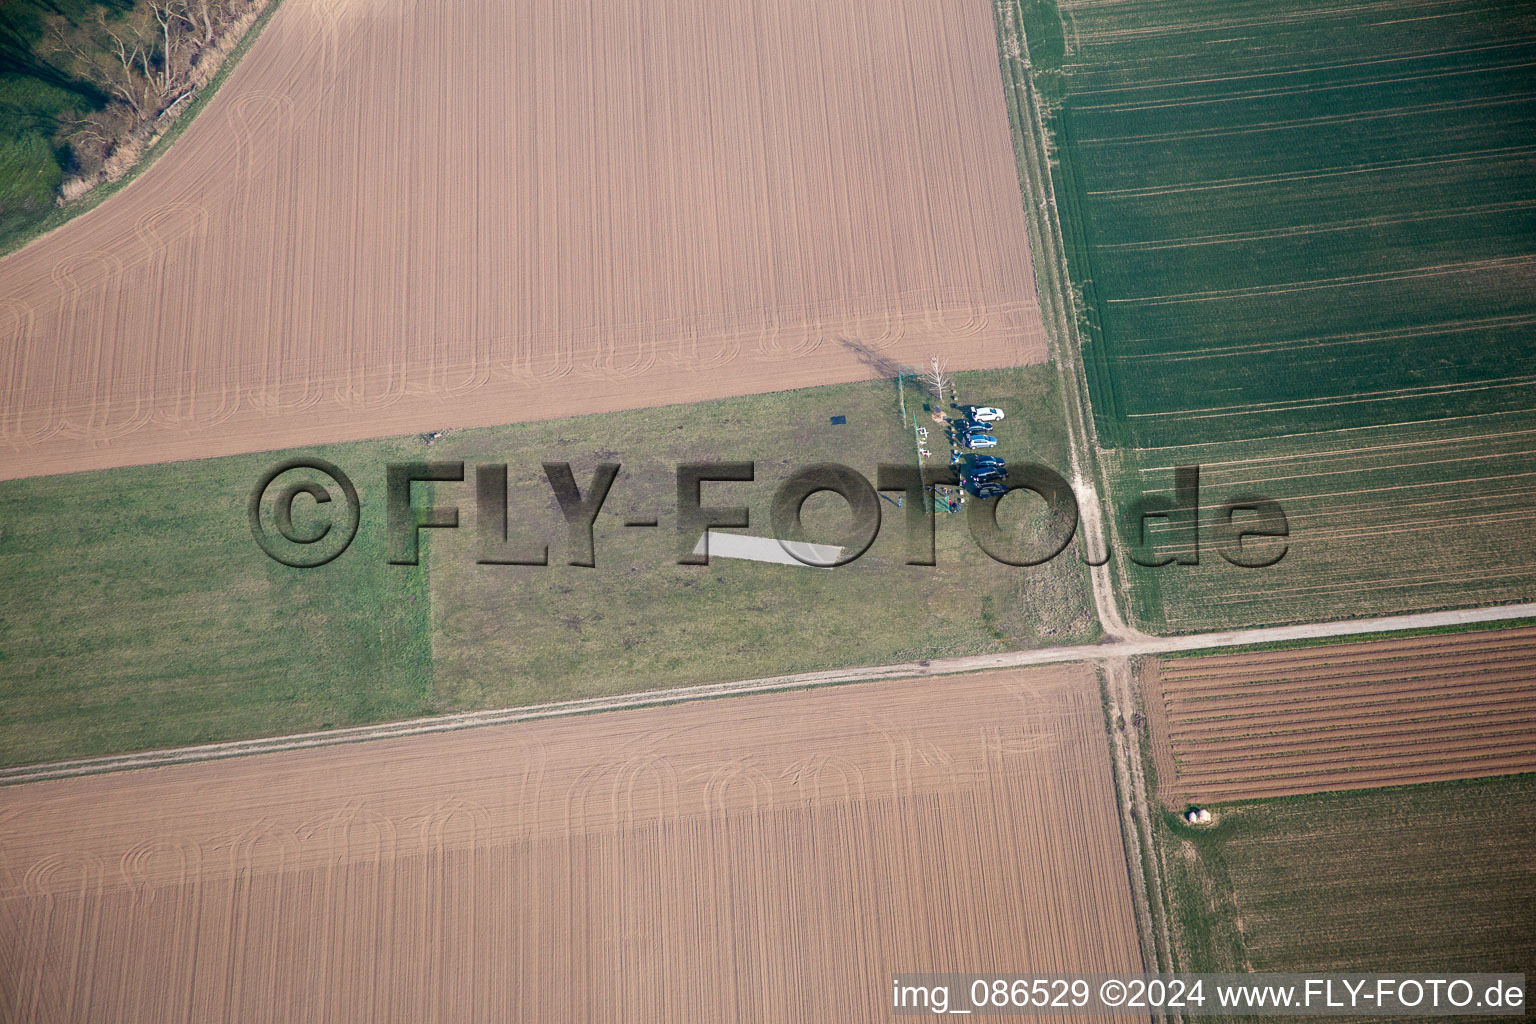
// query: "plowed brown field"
[[400, 217], [1346, 716], [776, 857]]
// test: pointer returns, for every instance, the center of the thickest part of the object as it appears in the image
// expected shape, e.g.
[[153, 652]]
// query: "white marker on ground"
[[767, 549]]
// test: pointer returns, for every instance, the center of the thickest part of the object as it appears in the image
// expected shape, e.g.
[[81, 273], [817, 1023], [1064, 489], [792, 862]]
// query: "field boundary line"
[[797, 681], [1119, 682], [1059, 310]]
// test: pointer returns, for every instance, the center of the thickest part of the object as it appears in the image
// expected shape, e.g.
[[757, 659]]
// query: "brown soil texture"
[[775, 857], [1344, 716], [407, 217]]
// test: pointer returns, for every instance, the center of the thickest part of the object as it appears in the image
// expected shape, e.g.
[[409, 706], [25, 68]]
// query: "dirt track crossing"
[[833, 677]]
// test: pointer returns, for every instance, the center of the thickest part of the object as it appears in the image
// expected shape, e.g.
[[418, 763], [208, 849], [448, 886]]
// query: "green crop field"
[[1302, 244], [37, 98], [139, 612], [1439, 877], [1381, 519], [1301, 216]]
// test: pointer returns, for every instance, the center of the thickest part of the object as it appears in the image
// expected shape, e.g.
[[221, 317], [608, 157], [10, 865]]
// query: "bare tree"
[[936, 379], [172, 19], [86, 129], [110, 54], [203, 16], [144, 59], [141, 59]]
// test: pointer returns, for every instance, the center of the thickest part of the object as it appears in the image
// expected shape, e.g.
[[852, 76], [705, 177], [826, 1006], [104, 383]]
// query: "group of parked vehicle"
[[981, 475]]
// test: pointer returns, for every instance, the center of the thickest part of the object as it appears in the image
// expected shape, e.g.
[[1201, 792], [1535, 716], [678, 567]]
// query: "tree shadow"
[[883, 365], [22, 30]]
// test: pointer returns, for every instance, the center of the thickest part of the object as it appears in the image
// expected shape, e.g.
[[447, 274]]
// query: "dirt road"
[[804, 680]]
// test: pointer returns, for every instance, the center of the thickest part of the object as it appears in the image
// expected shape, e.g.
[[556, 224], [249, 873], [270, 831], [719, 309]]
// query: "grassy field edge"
[[61, 215], [141, 615]]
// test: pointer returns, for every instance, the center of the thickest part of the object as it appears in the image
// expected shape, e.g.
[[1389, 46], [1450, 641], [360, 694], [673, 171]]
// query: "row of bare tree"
[[143, 60]]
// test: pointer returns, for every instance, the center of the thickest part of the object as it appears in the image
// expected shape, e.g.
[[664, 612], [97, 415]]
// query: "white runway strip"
[[766, 549]]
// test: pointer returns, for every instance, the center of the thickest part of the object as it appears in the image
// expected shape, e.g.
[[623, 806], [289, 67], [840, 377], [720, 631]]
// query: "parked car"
[[982, 413], [987, 475], [984, 491], [969, 424], [984, 460], [980, 441], [960, 437]]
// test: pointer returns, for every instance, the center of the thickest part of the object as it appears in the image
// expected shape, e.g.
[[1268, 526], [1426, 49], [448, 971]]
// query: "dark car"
[[986, 476], [985, 489], [975, 426], [968, 431], [972, 439], [986, 462]]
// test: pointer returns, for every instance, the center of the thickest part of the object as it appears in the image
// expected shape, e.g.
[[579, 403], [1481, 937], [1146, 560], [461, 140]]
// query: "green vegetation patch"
[[509, 635], [1438, 877], [1301, 239], [1300, 217], [1382, 520], [64, 88], [36, 98], [140, 613]]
